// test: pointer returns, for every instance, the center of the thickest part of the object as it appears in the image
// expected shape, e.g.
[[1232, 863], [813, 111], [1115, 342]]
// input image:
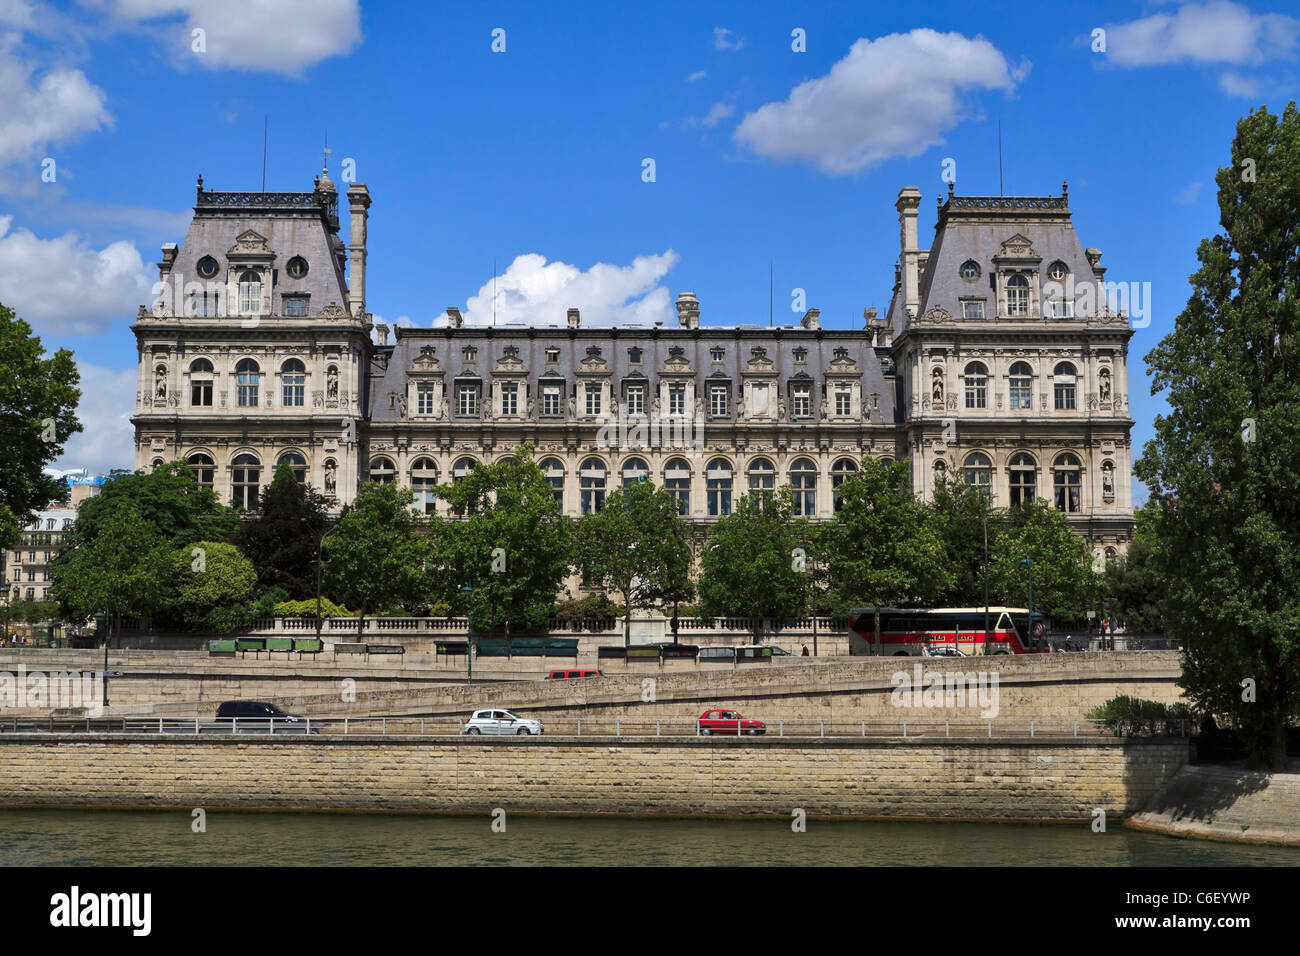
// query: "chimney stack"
[[908, 206], [454, 319], [381, 330], [575, 318], [169, 251], [358, 203], [811, 319], [688, 310]]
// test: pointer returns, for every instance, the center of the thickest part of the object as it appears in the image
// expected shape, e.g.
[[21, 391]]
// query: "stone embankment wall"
[[1023, 779], [1226, 803]]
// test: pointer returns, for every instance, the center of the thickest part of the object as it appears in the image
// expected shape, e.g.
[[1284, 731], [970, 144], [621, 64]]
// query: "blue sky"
[[534, 156]]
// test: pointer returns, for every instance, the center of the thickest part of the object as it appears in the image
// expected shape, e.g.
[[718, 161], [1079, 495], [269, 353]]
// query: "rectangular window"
[[972, 310], [467, 400], [295, 306], [201, 393], [510, 398], [593, 399], [843, 401], [551, 400], [636, 399], [203, 304], [1064, 396], [801, 405], [676, 399], [424, 399], [718, 400], [552, 355]]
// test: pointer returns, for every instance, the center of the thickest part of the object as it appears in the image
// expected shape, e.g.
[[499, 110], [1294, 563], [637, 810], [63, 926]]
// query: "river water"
[[166, 838]]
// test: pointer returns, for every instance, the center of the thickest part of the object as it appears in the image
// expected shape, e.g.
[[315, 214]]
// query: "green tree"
[[1222, 465], [38, 404], [958, 512], [377, 559], [637, 546], [1134, 581], [168, 498], [281, 536], [1065, 584], [754, 564], [882, 549], [124, 570], [212, 587], [513, 544]]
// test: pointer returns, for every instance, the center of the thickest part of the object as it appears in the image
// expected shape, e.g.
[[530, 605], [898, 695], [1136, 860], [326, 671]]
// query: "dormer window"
[[718, 354], [970, 270], [208, 268], [469, 353], [1017, 295], [1057, 271], [841, 353], [800, 355], [250, 293], [296, 268], [552, 355], [295, 306], [634, 356]]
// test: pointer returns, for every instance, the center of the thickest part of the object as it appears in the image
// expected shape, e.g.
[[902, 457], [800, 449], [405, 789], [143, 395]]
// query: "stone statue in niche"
[[1105, 388], [937, 392], [160, 383], [1108, 481], [530, 406], [401, 406], [331, 483], [332, 385], [573, 407]]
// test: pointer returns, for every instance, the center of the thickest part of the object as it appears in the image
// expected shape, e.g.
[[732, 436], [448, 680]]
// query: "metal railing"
[[906, 728]]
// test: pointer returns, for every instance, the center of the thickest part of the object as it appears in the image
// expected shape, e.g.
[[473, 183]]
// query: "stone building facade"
[[997, 359]]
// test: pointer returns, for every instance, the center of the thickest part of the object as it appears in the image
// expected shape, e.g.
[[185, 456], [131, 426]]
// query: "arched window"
[[635, 470], [677, 479], [591, 485], [762, 477], [246, 476], [803, 482], [940, 471], [1021, 384], [979, 471], [247, 375], [204, 469], [553, 470], [977, 385], [250, 293], [293, 377], [841, 471], [717, 487], [1023, 479], [424, 478], [1064, 379], [382, 470], [297, 463], [157, 463], [1067, 483], [1017, 295], [201, 376], [462, 468]]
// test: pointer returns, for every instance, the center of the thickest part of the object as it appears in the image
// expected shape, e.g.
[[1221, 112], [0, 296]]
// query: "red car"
[[728, 722]]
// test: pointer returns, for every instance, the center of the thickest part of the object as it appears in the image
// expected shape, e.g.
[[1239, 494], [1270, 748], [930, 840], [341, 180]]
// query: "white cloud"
[[106, 440], [1188, 195], [285, 36], [1234, 84], [1217, 32], [717, 113], [698, 75], [43, 107], [539, 293], [894, 96], [724, 39], [65, 286]]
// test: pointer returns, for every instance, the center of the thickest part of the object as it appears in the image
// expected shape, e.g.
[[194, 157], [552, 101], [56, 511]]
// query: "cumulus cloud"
[[724, 39], [1188, 195], [107, 438], [894, 96], [42, 107], [286, 36], [1217, 32], [64, 285], [540, 293], [717, 113], [696, 76]]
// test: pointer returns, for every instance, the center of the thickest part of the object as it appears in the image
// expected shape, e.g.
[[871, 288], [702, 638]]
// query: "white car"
[[943, 651], [500, 722]]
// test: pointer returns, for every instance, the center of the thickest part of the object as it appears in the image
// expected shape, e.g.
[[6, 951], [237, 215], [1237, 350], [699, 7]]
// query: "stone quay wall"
[[954, 779]]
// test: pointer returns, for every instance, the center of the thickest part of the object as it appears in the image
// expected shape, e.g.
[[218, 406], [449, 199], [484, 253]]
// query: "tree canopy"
[[281, 536]]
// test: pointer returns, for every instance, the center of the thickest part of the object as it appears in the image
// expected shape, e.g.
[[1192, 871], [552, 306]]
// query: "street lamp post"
[[469, 633], [104, 682], [986, 579], [319, 545], [1029, 563]]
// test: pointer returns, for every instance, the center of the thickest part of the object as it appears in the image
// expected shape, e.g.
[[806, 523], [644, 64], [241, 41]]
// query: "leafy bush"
[[308, 609], [264, 606], [1135, 717], [588, 608]]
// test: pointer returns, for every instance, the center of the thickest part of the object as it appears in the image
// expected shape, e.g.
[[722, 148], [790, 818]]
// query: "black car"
[[257, 715]]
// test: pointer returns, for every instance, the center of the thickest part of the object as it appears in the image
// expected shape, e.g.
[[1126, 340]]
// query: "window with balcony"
[[977, 386], [719, 404], [803, 485], [636, 399], [201, 377], [509, 398], [424, 398], [676, 399], [1017, 295], [467, 400], [591, 485], [717, 484], [1022, 480], [293, 379], [1067, 482], [247, 376], [801, 401], [551, 398], [1021, 386], [250, 293], [1064, 381]]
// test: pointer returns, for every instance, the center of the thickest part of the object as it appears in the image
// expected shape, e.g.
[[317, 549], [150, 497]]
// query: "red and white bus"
[[912, 632]]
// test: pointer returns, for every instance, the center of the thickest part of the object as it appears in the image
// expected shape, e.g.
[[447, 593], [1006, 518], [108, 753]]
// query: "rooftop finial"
[[200, 187], [1065, 189], [950, 187]]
